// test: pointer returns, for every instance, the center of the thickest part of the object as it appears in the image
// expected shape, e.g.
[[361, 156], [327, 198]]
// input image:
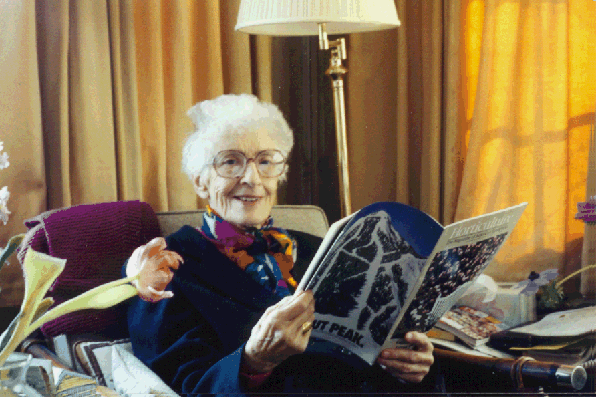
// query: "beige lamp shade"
[[301, 17]]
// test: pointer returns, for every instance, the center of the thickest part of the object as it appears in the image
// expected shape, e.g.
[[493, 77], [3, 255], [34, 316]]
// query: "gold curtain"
[[467, 107], [472, 106], [117, 78], [20, 131], [533, 86], [95, 95], [404, 143]]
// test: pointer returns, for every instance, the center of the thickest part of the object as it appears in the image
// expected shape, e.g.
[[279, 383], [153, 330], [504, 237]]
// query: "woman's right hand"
[[153, 263], [279, 333]]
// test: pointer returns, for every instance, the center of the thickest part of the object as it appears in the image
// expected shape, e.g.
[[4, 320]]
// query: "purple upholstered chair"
[[96, 240]]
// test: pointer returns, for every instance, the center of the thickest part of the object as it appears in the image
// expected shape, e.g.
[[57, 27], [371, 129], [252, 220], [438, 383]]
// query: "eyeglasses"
[[233, 163]]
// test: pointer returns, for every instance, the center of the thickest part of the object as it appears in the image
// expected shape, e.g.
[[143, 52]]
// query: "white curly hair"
[[231, 114]]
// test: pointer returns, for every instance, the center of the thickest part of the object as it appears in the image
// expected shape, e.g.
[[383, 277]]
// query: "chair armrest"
[[38, 349]]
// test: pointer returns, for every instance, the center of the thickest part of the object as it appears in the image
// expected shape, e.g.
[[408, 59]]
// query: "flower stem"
[[576, 272]]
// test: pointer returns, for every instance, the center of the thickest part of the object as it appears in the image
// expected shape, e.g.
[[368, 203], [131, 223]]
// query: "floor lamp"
[[322, 17]]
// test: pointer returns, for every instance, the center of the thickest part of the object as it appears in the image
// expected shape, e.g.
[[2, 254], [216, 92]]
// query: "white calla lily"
[[40, 272], [101, 297]]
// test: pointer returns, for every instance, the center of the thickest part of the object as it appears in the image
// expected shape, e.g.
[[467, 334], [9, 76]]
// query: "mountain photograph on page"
[[371, 258]]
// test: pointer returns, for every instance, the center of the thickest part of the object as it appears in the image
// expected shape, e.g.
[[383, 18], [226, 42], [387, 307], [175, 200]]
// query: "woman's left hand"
[[411, 365]]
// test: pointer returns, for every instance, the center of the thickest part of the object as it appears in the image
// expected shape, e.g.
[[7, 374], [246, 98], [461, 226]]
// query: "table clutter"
[[25, 376], [89, 365], [558, 348]]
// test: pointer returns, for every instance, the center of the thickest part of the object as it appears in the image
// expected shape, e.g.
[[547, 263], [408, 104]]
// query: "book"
[[436, 333], [471, 326], [97, 358], [391, 268], [555, 328]]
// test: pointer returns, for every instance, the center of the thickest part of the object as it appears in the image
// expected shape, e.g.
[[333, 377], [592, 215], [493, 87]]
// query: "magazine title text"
[[480, 227], [339, 330]]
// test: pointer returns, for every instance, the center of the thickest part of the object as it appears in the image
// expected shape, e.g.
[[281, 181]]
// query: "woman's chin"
[[250, 222], [250, 214]]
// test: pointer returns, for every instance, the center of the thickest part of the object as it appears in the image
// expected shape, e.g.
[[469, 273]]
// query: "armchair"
[[96, 239]]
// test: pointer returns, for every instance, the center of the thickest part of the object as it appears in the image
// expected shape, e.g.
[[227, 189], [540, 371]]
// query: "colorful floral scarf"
[[266, 254]]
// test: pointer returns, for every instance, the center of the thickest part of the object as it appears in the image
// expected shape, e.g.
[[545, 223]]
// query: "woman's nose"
[[251, 174]]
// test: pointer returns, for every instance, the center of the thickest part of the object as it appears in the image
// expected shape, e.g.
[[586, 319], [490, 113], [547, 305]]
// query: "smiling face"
[[246, 200]]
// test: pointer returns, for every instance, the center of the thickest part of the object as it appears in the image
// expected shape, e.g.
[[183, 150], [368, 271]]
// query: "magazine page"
[[365, 278], [331, 238], [462, 253]]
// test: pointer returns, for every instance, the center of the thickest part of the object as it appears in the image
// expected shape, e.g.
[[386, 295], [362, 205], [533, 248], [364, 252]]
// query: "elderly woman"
[[219, 313]]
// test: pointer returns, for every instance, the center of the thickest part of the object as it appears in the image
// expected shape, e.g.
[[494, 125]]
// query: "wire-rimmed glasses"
[[233, 163]]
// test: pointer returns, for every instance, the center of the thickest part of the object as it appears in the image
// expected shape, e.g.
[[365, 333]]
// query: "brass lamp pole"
[[336, 72]]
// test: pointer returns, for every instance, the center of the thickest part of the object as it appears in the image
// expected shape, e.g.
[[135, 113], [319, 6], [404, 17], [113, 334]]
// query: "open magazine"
[[391, 268]]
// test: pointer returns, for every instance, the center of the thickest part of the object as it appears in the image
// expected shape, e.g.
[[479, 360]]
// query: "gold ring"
[[307, 326]]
